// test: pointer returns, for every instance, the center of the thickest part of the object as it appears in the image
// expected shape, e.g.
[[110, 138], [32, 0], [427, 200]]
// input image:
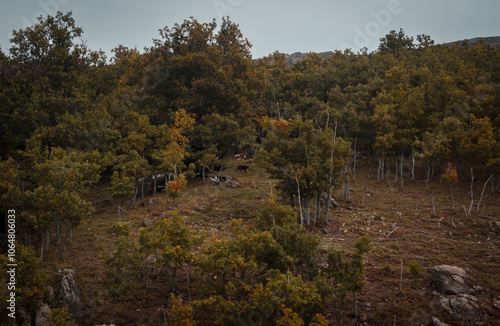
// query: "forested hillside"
[[137, 148]]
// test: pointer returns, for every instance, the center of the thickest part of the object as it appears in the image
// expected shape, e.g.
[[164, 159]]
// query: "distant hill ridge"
[[295, 57], [492, 40]]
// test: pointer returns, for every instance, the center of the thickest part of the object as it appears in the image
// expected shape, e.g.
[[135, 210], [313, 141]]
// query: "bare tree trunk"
[[428, 170], [142, 188], [388, 168], [355, 305], [401, 168], [42, 248], [482, 193], [300, 202], [397, 171], [433, 206], [379, 168], [346, 181], [471, 192], [318, 208], [412, 166], [452, 198], [154, 182], [370, 163], [354, 161], [330, 180]]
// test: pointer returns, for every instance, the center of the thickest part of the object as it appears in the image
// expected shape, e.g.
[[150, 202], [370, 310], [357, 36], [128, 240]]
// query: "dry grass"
[[387, 214]]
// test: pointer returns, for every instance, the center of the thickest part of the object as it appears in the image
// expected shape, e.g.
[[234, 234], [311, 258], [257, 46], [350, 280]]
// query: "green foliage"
[[122, 229], [347, 273], [289, 318], [414, 267], [173, 238], [122, 265], [180, 314], [29, 281], [386, 270], [60, 317]]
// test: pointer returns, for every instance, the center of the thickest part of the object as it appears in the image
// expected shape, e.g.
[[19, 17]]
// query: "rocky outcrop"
[[42, 315], [69, 295], [454, 297], [462, 307], [494, 226], [437, 322], [450, 280]]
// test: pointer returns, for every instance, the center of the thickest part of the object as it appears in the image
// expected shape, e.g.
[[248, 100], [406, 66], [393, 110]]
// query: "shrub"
[[414, 267]]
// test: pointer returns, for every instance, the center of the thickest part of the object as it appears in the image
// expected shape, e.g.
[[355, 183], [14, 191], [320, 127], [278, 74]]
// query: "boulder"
[[450, 280], [147, 223], [69, 295], [437, 322], [462, 307], [42, 315], [494, 226]]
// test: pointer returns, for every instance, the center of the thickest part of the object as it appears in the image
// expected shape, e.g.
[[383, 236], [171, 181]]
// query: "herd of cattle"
[[157, 182]]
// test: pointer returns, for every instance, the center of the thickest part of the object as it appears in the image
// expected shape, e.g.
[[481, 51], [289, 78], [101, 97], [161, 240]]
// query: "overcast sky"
[[287, 26]]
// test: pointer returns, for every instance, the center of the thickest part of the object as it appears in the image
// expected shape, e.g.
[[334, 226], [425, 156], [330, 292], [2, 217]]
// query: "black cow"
[[242, 168]]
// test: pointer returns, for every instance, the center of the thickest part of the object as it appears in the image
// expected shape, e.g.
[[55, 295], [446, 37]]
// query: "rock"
[[232, 184], [21, 316], [325, 230], [496, 303], [450, 279], [42, 315], [69, 295], [494, 226], [462, 307], [437, 322], [147, 223]]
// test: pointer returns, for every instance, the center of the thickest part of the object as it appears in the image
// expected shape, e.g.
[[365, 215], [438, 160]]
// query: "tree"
[[347, 273], [121, 266], [46, 78], [173, 239], [300, 156]]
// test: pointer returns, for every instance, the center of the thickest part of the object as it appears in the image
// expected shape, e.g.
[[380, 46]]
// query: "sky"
[[270, 25]]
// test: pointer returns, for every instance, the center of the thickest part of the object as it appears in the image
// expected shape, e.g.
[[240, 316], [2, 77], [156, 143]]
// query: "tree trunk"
[[355, 305], [346, 181], [318, 208], [142, 187], [354, 161], [482, 193], [330, 179], [412, 166], [379, 169], [42, 247], [452, 198], [300, 204], [401, 168]]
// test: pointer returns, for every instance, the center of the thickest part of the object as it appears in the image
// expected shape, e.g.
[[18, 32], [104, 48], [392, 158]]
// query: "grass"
[[383, 210]]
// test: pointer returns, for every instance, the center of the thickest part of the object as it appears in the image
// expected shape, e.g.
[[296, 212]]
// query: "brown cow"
[[241, 156]]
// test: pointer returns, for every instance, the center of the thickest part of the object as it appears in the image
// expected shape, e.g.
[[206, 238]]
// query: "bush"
[[414, 267]]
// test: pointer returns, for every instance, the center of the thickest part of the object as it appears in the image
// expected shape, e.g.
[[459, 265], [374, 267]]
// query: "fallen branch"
[[397, 227], [438, 221]]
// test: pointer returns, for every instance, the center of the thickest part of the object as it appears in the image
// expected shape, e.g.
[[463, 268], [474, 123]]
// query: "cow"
[[241, 156], [217, 180], [242, 168]]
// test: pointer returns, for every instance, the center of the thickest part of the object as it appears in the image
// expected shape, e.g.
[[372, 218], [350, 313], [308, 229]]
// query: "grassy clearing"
[[380, 209]]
